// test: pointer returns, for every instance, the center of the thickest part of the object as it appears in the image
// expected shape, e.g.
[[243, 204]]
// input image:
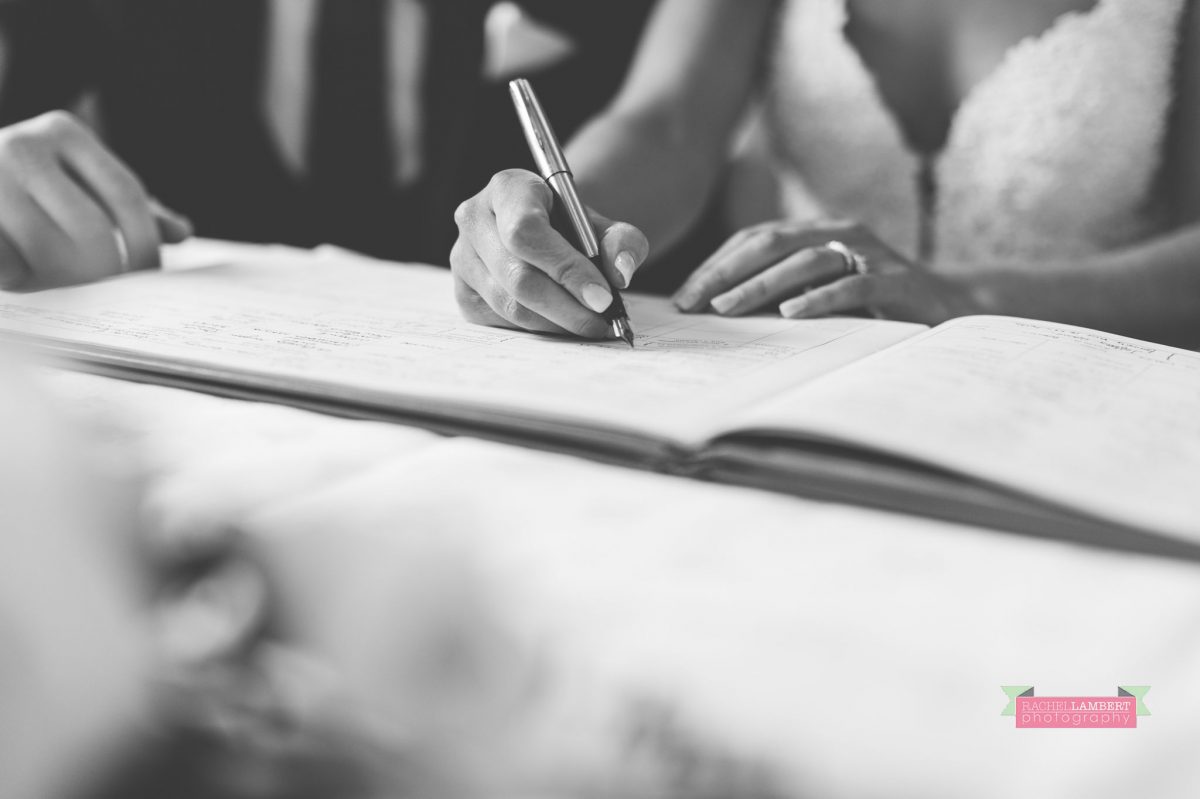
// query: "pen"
[[552, 165]]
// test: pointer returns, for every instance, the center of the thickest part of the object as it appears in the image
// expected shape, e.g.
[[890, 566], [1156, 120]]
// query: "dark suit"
[[178, 83]]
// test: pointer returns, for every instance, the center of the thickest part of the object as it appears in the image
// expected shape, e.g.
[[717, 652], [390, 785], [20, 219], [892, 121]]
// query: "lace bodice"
[[1055, 153]]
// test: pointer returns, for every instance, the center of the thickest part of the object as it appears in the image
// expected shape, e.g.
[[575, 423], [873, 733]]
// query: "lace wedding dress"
[[1054, 154]]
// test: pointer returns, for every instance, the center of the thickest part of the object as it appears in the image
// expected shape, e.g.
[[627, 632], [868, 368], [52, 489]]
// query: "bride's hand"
[[791, 264]]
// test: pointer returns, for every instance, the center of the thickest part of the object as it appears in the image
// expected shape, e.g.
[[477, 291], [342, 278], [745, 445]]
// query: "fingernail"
[[170, 216], [626, 265], [724, 303], [597, 297], [795, 307]]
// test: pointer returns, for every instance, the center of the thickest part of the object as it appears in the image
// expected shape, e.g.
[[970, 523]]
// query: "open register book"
[[1024, 425]]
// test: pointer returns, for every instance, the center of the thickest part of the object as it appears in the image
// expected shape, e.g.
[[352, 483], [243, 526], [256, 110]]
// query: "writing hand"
[[70, 211], [513, 269]]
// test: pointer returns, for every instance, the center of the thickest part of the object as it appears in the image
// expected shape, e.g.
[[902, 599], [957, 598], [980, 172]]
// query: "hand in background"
[[70, 211], [512, 269], [789, 263]]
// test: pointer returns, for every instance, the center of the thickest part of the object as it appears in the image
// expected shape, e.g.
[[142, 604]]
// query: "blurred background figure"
[[354, 122]]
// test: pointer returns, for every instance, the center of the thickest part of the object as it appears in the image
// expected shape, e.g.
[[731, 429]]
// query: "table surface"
[[860, 652]]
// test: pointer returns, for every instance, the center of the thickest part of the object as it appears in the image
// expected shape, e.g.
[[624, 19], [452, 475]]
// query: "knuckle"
[[508, 179], [766, 240], [21, 147], [510, 308], [754, 290], [626, 230], [724, 274], [523, 317], [464, 213], [630, 237], [561, 273], [522, 231], [507, 175], [521, 278], [59, 120], [811, 257], [456, 258]]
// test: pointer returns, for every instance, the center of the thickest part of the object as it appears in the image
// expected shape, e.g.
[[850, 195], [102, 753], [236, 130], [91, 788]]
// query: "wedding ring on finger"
[[122, 249], [852, 262]]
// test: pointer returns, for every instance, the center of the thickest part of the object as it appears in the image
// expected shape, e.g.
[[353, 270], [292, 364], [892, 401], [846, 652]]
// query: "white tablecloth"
[[859, 653]]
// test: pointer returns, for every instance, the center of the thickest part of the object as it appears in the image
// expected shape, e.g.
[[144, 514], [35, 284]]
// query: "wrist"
[[997, 292]]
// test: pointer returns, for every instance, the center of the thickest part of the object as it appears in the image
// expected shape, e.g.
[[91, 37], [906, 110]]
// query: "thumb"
[[623, 249], [172, 227]]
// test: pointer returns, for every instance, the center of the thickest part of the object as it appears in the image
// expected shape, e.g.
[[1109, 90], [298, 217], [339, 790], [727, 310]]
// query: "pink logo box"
[[1077, 712]]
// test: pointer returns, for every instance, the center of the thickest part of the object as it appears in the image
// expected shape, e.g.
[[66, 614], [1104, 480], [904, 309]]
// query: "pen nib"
[[623, 329]]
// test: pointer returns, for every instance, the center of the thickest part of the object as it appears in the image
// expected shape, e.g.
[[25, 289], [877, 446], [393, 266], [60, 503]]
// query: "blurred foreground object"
[[73, 642], [146, 652]]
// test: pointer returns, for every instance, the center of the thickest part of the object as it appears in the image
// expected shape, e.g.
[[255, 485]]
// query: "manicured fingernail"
[[724, 303], [626, 265], [171, 217], [597, 297], [794, 307]]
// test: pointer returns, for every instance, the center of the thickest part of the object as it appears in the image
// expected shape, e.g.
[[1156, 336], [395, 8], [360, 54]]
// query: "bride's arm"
[[1150, 290], [653, 157]]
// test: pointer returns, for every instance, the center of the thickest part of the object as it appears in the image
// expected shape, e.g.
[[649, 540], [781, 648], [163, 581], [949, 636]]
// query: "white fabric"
[[853, 653], [71, 614], [1054, 154]]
